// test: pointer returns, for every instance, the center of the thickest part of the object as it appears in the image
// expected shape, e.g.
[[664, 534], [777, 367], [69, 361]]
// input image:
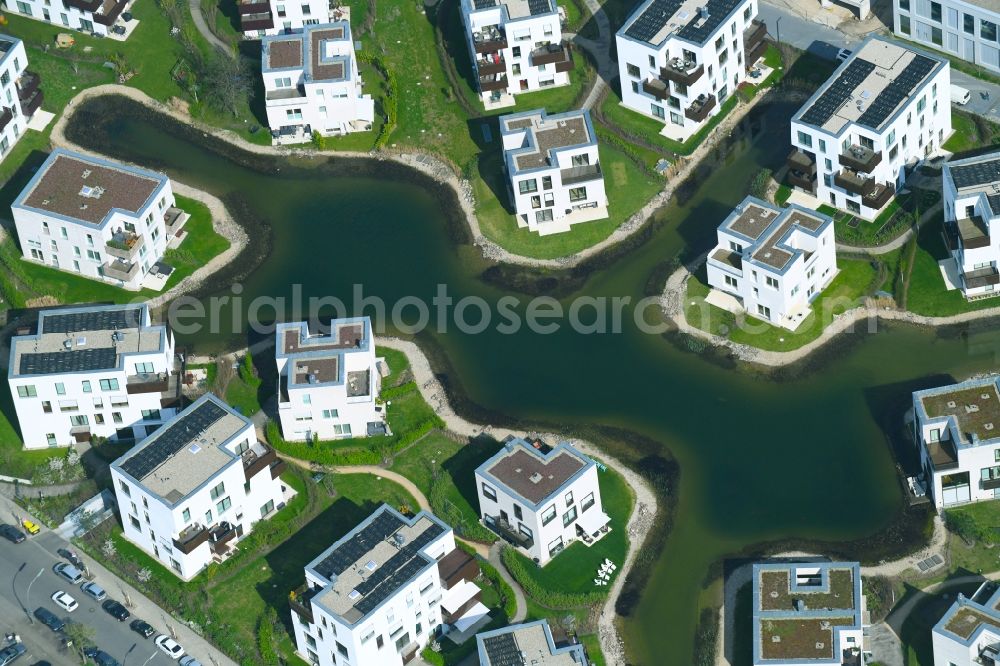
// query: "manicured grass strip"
[[926, 294]]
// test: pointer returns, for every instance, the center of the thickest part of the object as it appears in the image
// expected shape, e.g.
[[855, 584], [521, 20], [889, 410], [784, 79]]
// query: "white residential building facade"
[[99, 219], [679, 62], [956, 430], [260, 18], [553, 170], [377, 596], [968, 634], [775, 261], [807, 614], [885, 109], [94, 371], [541, 499], [971, 191], [93, 16], [21, 95], [966, 30], [190, 491], [328, 382], [534, 643], [516, 46], [312, 84]]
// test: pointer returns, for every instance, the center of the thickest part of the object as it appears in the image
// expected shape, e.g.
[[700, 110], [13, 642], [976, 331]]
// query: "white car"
[[64, 601], [169, 646]]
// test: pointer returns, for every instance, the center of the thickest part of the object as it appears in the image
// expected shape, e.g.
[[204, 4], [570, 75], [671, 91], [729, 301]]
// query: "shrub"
[[265, 637], [705, 637], [506, 591], [878, 591], [760, 182], [431, 657], [390, 102], [318, 140]]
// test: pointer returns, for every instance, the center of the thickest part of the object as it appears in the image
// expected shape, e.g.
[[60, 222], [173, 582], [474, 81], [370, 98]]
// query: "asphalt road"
[[19, 566]]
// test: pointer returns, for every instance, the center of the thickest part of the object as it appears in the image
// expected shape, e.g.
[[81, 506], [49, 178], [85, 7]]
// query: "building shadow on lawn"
[[20, 179], [462, 466]]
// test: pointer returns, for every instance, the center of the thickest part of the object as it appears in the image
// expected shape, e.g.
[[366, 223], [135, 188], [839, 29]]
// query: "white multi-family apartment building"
[[195, 487], [775, 261], [971, 189], [553, 169], [968, 634], [807, 614], [956, 430], [311, 83], [528, 643], [516, 46], [541, 499], [99, 219], [966, 30], [885, 108], [259, 18], [20, 91], [93, 371], [93, 16], [678, 61], [384, 591], [328, 382]]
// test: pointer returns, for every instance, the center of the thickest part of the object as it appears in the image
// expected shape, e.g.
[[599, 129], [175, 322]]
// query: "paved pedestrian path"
[[206, 32]]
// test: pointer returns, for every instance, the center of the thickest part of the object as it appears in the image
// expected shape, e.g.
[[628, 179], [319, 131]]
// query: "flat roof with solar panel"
[[373, 561], [188, 451], [516, 9], [694, 21], [85, 339], [978, 175], [876, 82], [529, 643]]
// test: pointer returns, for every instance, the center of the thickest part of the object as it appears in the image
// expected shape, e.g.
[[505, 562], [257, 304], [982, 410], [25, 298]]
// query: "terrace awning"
[[592, 521]]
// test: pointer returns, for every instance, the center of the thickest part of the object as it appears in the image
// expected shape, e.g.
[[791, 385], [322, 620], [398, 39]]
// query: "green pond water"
[[760, 460]]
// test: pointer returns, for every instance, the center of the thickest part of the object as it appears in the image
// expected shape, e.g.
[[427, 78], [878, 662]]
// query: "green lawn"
[[781, 196], [899, 216], [14, 460], [628, 188], [852, 284], [573, 571], [399, 367], [444, 470], [966, 134]]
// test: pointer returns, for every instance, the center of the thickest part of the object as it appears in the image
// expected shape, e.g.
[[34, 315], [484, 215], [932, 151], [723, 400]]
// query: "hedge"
[[506, 591], [390, 102], [547, 598], [373, 454], [396, 391]]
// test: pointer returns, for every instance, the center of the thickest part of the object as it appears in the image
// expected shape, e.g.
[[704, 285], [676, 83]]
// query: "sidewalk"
[[141, 605]]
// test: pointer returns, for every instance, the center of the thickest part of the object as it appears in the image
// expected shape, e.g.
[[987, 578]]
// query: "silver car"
[[94, 590]]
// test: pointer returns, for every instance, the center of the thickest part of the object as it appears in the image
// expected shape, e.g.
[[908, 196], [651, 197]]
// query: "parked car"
[[65, 601], [142, 628], [100, 657], [11, 533], [70, 555], [32, 528], [169, 646], [189, 661], [115, 610], [94, 590], [11, 653], [69, 572], [49, 619]]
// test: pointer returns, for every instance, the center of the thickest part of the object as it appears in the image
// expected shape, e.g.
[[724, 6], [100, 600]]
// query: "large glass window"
[[489, 493], [550, 513], [526, 186], [969, 24], [988, 30], [935, 11], [578, 194], [805, 139], [569, 517]]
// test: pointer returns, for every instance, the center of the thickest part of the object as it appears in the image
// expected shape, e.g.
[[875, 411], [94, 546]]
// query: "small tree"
[[143, 575], [318, 140], [227, 83], [82, 635], [109, 549]]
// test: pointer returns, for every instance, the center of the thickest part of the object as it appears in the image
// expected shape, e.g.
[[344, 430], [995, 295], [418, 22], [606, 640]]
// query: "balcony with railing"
[[125, 245], [800, 161], [121, 270], [31, 103], [220, 536], [258, 457], [27, 83], [300, 601], [753, 42], [81, 433], [491, 83], [150, 382], [174, 220], [860, 158], [685, 72], [553, 54], [508, 532], [253, 7], [580, 174], [491, 64], [657, 88], [976, 279], [879, 195], [489, 39], [257, 21], [6, 116], [700, 108], [190, 538]]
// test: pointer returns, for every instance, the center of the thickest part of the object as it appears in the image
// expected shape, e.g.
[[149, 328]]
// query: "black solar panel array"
[[698, 30], [973, 175], [172, 439], [101, 320], [502, 650], [485, 4], [838, 92], [399, 569], [652, 20], [898, 89], [536, 7], [76, 360], [349, 552], [994, 201], [695, 28]]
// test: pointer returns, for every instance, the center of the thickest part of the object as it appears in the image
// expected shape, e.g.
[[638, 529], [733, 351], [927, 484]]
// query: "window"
[[86, 386], [763, 311], [518, 513], [26, 392], [555, 547], [657, 111], [569, 517], [935, 434], [267, 508], [632, 70], [217, 491], [109, 384], [550, 513], [330, 413], [771, 282], [544, 215], [652, 62], [969, 24], [988, 30], [805, 140], [293, 114], [144, 368], [124, 488], [150, 415], [50, 439], [60, 388], [904, 5], [822, 146], [732, 282], [588, 502], [46, 406], [186, 515], [489, 493], [208, 517], [527, 186], [223, 505], [936, 11], [578, 194], [936, 36]]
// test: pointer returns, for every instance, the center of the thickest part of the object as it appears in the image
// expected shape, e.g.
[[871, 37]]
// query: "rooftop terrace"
[[768, 229], [297, 339], [776, 592], [518, 9], [975, 409], [526, 644], [545, 135], [691, 20]]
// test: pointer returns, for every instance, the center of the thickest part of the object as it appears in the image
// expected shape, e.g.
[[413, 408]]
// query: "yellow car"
[[31, 527]]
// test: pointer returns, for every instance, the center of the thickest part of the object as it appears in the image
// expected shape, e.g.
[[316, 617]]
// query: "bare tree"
[[227, 83]]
